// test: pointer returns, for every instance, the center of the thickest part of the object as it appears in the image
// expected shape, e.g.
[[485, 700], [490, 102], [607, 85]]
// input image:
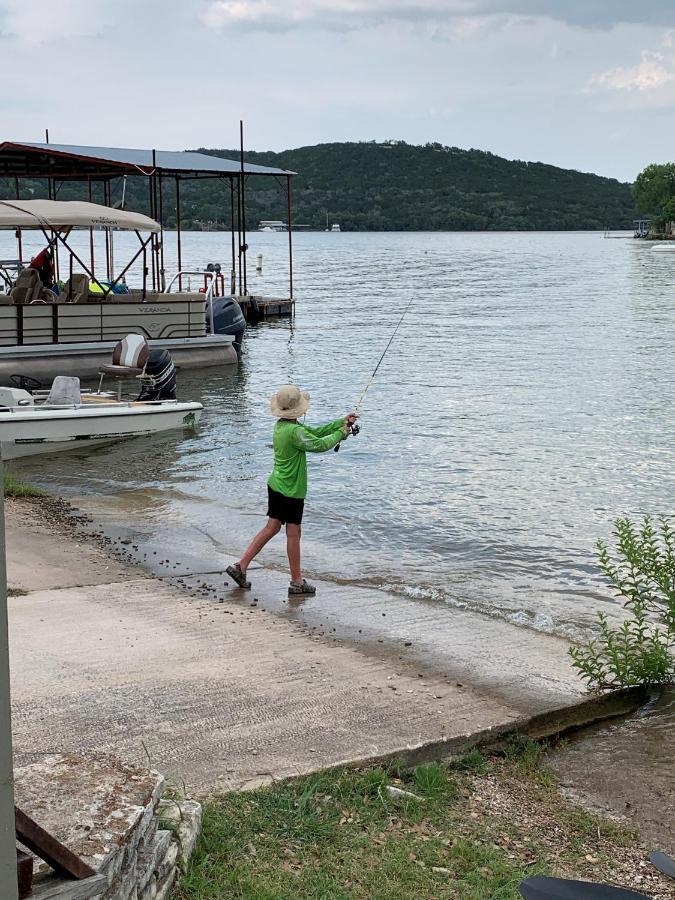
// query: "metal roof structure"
[[69, 161], [163, 171]]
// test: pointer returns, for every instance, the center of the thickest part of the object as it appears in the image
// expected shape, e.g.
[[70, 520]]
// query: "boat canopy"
[[57, 215]]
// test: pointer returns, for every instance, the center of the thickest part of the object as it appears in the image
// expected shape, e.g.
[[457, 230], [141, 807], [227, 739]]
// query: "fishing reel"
[[353, 428]]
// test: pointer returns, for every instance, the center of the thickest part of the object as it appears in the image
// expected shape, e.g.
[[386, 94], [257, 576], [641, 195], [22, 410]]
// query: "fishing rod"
[[354, 429]]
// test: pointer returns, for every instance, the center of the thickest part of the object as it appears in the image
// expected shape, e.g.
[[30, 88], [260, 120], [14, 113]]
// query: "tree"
[[654, 187], [669, 210]]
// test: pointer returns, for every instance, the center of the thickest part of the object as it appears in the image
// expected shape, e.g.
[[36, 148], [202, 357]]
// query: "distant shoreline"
[[301, 231]]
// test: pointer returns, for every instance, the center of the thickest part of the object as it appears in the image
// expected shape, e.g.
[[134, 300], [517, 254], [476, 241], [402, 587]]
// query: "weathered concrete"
[[111, 816], [91, 805], [217, 691], [39, 556]]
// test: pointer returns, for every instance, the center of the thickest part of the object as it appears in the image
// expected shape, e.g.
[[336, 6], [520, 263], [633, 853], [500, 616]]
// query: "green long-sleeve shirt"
[[292, 442]]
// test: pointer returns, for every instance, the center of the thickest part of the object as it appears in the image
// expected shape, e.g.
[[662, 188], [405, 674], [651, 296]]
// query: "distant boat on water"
[[272, 225], [333, 228]]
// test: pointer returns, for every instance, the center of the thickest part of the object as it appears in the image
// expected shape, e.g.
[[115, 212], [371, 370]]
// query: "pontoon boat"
[[49, 326]]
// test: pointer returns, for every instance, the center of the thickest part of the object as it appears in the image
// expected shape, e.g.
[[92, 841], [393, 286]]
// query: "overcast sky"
[[585, 84]]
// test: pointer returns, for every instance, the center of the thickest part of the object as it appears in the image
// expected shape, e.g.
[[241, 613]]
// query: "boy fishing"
[[287, 485]]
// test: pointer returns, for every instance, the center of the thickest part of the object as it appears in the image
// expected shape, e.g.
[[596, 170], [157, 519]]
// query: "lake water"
[[527, 401]]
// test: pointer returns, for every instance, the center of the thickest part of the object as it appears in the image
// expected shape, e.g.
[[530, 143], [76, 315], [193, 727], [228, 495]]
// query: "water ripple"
[[527, 401]]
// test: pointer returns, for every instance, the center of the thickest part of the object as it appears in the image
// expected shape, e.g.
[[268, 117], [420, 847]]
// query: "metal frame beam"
[[8, 874]]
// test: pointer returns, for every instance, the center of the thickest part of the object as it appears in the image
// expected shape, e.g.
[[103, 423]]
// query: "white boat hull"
[[40, 430], [46, 361]]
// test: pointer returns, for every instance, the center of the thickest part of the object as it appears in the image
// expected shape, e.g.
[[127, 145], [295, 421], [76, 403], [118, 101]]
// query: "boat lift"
[[97, 169]]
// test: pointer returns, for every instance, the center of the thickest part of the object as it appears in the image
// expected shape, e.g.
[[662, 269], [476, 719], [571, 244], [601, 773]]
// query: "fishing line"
[[355, 428]]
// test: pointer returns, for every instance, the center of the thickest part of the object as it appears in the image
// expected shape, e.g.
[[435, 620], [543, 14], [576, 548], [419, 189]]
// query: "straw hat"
[[289, 402]]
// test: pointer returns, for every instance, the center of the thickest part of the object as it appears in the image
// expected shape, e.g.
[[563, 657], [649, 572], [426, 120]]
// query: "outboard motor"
[[160, 373], [228, 319]]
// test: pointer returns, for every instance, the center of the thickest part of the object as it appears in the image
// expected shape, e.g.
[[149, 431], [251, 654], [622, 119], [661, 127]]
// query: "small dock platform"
[[258, 309]]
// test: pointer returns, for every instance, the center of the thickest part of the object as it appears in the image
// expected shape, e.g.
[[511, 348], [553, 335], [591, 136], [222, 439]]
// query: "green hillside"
[[395, 187]]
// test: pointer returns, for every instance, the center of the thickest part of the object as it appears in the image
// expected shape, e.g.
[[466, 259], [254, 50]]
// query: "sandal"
[[238, 576], [301, 589]]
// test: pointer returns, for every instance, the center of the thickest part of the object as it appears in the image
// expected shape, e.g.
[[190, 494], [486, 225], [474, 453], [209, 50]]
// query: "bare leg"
[[293, 534], [262, 537]]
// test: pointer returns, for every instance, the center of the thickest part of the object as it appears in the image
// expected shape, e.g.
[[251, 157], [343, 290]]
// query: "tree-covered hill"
[[398, 186], [393, 187]]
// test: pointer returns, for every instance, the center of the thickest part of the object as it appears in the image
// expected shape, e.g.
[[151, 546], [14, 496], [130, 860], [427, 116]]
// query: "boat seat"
[[129, 359], [65, 391], [47, 295], [76, 289], [27, 287]]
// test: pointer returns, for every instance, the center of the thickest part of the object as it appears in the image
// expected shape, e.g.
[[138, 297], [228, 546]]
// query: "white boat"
[[33, 421], [334, 227], [272, 225], [664, 247], [32, 424]]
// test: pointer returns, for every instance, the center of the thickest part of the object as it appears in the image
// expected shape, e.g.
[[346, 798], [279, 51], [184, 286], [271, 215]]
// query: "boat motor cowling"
[[228, 319], [159, 377]]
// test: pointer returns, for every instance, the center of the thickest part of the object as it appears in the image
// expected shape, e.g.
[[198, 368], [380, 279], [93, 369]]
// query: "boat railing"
[[86, 404], [213, 280], [9, 272]]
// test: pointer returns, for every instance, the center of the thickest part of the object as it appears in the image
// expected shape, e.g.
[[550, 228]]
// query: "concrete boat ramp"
[[220, 688]]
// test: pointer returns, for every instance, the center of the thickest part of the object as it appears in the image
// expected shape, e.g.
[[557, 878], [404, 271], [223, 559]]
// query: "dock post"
[[244, 245], [233, 270], [8, 875], [289, 200]]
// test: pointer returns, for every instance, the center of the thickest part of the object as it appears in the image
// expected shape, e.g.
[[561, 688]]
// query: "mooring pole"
[[91, 231], [19, 240], [233, 270], [179, 249], [8, 880], [290, 238], [244, 246]]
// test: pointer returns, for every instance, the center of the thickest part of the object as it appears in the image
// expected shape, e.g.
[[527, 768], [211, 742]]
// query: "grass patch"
[[472, 831], [16, 592], [474, 761], [14, 487]]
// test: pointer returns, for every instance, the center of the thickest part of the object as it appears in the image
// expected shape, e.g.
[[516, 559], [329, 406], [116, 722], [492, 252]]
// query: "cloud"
[[275, 15], [325, 14], [37, 22], [653, 72]]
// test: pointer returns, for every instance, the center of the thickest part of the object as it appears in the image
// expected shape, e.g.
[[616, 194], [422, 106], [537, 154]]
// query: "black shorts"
[[287, 510]]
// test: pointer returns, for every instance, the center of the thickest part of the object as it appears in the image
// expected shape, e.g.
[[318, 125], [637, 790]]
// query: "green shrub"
[[642, 570]]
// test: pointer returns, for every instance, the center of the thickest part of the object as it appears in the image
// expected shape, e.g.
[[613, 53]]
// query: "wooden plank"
[[59, 857], [59, 889], [24, 871]]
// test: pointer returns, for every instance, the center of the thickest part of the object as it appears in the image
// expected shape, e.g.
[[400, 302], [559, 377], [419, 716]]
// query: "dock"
[[103, 170], [259, 309]]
